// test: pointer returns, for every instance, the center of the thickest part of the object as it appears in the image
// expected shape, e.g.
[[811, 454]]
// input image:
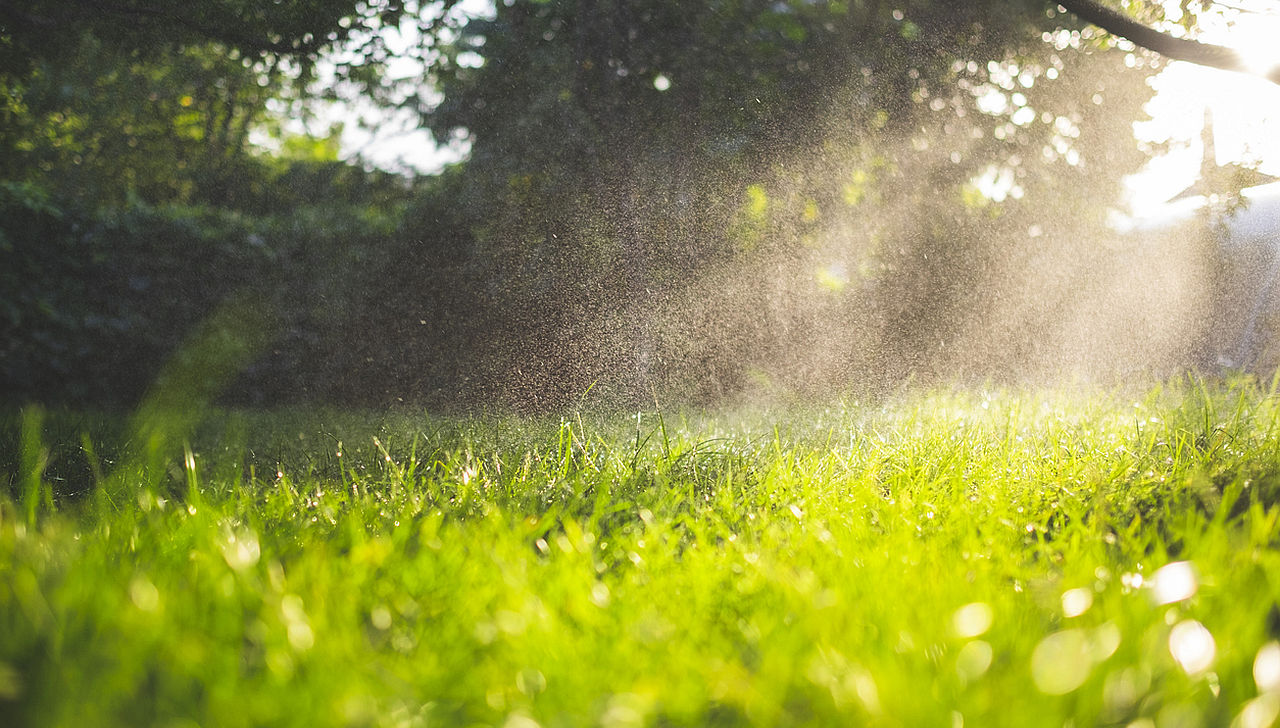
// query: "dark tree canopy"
[[625, 154], [301, 29], [659, 196]]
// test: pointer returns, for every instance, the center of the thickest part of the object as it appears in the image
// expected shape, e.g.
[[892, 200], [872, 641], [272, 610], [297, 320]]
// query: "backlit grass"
[[1017, 559]]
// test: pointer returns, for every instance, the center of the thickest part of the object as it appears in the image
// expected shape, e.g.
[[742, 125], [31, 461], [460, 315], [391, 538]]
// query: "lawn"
[[984, 558]]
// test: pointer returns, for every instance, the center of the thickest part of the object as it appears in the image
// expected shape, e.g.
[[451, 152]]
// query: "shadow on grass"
[[50, 456]]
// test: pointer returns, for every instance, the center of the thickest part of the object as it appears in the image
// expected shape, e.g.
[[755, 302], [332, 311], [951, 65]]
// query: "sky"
[[1245, 110], [398, 143]]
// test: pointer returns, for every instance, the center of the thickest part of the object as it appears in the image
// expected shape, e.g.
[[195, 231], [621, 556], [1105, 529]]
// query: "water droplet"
[[1061, 662], [1191, 644], [1076, 602], [520, 720], [973, 660], [240, 548], [971, 620], [1261, 712], [1174, 583], [531, 682], [1266, 668], [1105, 641], [300, 636], [144, 594], [600, 594]]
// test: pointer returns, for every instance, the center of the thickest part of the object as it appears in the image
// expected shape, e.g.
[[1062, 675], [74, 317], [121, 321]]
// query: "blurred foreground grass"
[[1015, 559]]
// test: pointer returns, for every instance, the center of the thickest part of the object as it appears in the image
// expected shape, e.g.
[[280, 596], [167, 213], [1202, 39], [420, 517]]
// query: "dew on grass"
[[240, 548], [1192, 646], [600, 594], [1130, 581], [520, 720], [626, 710], [495, 698], [1266, 668], [301, 638], [298, 629], [1062, 661], [1174, 582], [1124, 688], [144, 594], [1076, 602], [971, 620], [530, 681], [1106, 640], [973, 660], [1261, 712]]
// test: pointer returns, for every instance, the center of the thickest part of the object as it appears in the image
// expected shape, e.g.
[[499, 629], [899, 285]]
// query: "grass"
[[1000, 559]]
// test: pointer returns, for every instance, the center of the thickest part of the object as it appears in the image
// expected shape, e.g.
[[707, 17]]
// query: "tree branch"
[[1178, 49]]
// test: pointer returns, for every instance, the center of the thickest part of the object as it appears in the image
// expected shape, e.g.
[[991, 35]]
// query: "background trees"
[[134, 201], [695, 200], [704, 197]]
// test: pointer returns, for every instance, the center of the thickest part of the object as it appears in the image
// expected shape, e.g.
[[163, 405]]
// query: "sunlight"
[[1254, 37], [1246, 110]]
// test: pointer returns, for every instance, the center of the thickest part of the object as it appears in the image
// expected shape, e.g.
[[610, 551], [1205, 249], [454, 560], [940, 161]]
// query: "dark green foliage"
[[691, 202], [95, 300], [51, 30]]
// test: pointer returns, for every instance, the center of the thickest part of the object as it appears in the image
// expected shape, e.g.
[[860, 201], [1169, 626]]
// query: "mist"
[[713, 204], [885, 228]]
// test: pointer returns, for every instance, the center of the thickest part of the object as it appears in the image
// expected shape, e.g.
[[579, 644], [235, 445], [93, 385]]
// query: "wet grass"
[[1015, 559]]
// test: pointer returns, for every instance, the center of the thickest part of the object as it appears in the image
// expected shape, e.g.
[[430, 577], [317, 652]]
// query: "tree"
[[686, 193], [132, 203], [157, 101], [51, 29]]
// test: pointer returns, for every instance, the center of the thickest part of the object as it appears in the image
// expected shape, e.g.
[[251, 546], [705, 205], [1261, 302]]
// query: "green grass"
[[995, 559]]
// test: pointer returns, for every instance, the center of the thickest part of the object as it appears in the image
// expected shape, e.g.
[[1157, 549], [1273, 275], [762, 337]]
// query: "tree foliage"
[[158, 101], [134, 203], [675, 194], [51, 30], [695, 198]]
